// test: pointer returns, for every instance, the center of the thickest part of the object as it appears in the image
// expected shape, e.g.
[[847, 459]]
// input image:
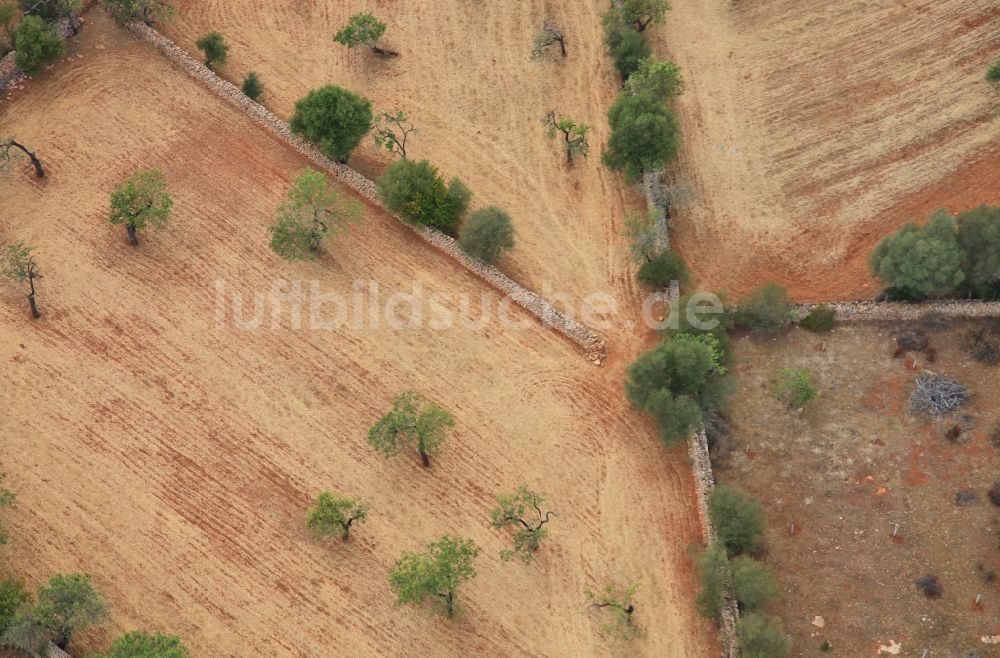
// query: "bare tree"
[[391, 132], [6, 156], [548, 35], [574, 134]]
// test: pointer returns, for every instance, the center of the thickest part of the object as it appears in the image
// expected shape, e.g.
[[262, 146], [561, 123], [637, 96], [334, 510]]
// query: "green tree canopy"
[[993, 72], [146, 11], [215, 48], [627, 48], [713, 567], [418, 194], [921, 261], [313, 211], [487, 234], [17, 262], [391, 131], [662, 269], [766, 311], [676, 382], [435, 574], [334, 515], [413, 421], [979, 237], [13, 597], [334, 119], [7, 499], [660, 81], [639, 14], [137, 644], [8, 11], [574, 135], [140, 202], [37, 43], [644, 135], [795, 387], [522, 510], [69, 604], [252, 86], [26, 632], [363, 29], [620, 603], [753, 584], [738, 519], [760, 637]]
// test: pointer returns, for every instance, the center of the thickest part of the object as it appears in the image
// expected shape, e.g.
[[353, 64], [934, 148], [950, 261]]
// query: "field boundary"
[[877, 311], [593, 345]]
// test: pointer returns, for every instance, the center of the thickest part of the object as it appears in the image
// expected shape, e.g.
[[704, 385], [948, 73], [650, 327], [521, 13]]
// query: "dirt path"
[[174, 460]]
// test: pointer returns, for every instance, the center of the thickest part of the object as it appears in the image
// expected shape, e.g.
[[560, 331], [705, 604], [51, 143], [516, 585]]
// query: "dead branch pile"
[[935, 395]]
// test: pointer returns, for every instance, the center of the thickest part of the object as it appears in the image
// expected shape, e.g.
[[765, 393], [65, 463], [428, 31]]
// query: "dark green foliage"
[[143, 645], [7, 498], [332, 118], [334, 515], [69, 604], [738, 519], [146, 11], [413, 421], [627, 48], [794, 387], [820, 319], [766, 311], [416, 192], [7, 13], [921, 261], [140, 202], [252, 86], [37, 43], [26, 632], [13, 597], [979, 237], [761, 637], [522, 510], [215, 48], [47, 10], [487, 234], [701, 309], [676, 382], [644, 135], [435, 574], [753, 584], [639, 14], [713, 567], [993, 73], [363, 29], [662, 269]]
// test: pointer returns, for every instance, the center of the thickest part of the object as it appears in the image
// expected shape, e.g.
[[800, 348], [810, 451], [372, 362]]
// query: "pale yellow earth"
[[174, 460]]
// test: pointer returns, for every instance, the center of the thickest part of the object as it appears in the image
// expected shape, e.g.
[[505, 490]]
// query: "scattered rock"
[[818, 622], [893, 648]]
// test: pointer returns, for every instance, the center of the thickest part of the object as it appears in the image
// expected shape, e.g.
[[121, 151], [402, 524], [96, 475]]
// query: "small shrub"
[[983, 346], [252, 86], [419, 195], [795, 387], [825, 646], [929, 585], [332, 118], [993, 73], [933, 321], [487, 234], [820, 319], [994, 493], [215, 48], [713, 567], [995, 437], [760, 637], [738, 519], [753, 584], [766, 311], [662, 269], [37, 43], [912, 339]]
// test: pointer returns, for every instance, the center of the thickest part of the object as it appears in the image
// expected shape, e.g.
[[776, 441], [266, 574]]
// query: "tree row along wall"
[[592, 343]]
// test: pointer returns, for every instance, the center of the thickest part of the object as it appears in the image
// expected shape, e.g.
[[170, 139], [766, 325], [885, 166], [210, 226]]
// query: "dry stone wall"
[[591, 342]]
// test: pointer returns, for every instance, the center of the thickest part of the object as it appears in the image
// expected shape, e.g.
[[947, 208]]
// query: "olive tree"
[[141, 202], [413, 421], [713, 569], [645, 240], [37, 43], [979, 237], [644, 135], [640, 14], [252, 86], [137, 644], [761, 637], [621, 604], [625, 45], [574, 135], [334, 515], [13, 597], [7, 147], [661, 270], [68, 604], [334, 119], [738, 519], [753, 584], [7, 498], [435, 574], [522, 510], [364, 30], [416, 192], [678, 381], [26, 632], [993, 73], [391, 132], [921, 261], [7, 14], [546, 37], [312, 212], [147, 11], [17, 262], [487, 234], [658, 80], [215, 48]]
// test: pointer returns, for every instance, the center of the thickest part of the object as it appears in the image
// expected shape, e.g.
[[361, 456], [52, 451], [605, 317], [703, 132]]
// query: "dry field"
[[466, 78], [174, 459], [812, 129], [836, 478]]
